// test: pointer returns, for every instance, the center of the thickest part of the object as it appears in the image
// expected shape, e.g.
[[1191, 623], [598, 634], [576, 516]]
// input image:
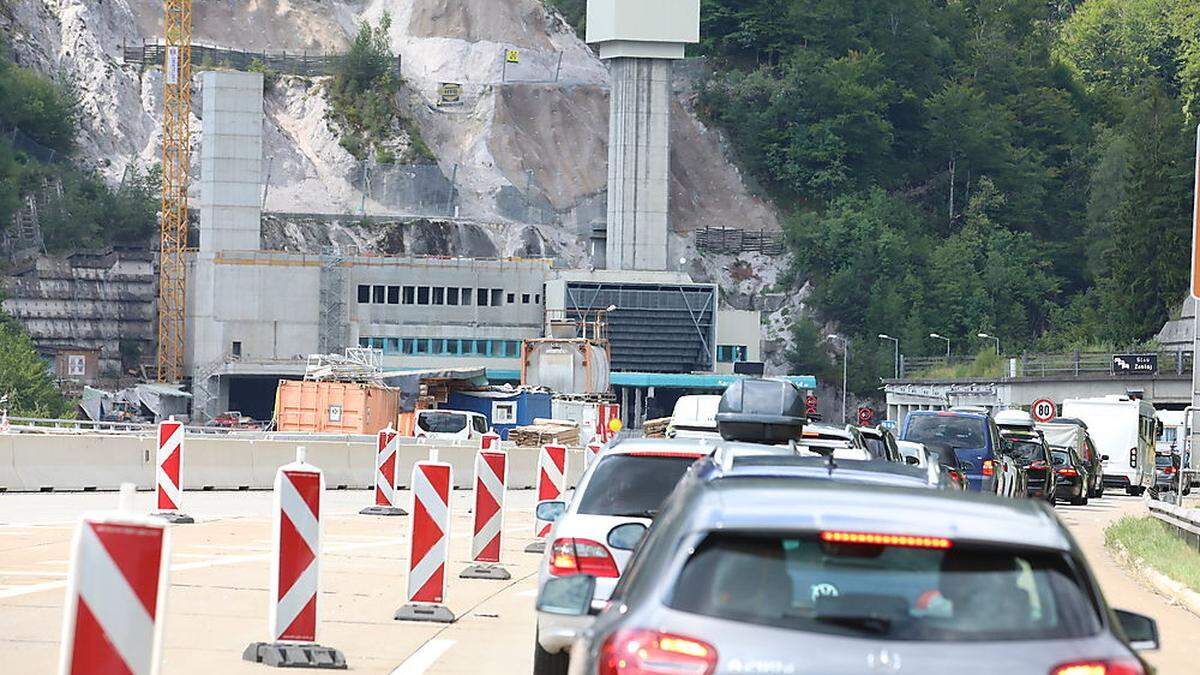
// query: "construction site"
[[573, 204]]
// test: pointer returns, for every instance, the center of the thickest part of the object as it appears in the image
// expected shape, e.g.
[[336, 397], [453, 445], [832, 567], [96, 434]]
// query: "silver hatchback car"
[[770, 574]]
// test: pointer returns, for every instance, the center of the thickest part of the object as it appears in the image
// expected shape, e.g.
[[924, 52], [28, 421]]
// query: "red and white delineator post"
[[387, 456], [116, 593], [431, 482], [590, 452], [168, 477], [296, 573], [491, 479], [551, 483], [489, 441]]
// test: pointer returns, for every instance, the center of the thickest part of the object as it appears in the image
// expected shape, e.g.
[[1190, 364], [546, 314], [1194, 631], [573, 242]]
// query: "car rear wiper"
[[646, 513], [865, 622]]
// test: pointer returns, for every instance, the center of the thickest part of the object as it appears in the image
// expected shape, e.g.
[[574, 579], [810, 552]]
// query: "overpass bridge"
[[1053, 376]]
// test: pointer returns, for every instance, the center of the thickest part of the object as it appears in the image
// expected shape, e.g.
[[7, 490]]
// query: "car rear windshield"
[[1027, 451], [1060, 457], [948, 430], [443, 422], [632, 485], [877, 446], [1164, 460], [962, 593]]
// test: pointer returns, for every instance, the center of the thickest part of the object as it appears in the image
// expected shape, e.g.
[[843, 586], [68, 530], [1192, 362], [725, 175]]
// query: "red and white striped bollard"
[[116, 593], [590, 453], [387, 456], [430, 538], [168, 476], [551, 483], [491, 479], [296, 573]]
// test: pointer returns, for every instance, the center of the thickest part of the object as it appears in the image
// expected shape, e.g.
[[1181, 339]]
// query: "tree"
[[24, 377]]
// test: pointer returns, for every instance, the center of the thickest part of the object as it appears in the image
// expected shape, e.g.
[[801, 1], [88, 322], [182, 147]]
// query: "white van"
[[1171, 435], [695, 417], [1123, 429], [449, 424]]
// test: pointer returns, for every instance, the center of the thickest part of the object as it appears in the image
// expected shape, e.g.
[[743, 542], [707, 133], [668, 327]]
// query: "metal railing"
[[1052, 364], [1184, 522]]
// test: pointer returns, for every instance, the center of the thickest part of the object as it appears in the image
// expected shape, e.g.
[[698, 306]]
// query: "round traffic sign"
[[865, 415], [810, 404], [1043, 410]]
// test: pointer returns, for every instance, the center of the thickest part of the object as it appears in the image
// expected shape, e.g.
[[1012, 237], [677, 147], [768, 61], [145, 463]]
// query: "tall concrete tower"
[[639, 39]]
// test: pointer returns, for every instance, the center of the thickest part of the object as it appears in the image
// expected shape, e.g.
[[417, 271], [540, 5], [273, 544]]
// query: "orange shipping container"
[[335, 407]]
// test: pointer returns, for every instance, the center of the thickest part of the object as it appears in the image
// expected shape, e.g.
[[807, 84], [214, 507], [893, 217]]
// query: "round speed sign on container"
[[1043, 410]]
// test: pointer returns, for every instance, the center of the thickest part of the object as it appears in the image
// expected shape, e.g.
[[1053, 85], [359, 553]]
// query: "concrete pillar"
[[638, 411], [639, 166], [231, 161]]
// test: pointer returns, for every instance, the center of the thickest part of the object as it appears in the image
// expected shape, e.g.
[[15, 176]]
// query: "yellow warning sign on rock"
[[512, 55]]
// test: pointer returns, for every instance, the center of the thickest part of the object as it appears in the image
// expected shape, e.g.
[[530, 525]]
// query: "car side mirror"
[[912, 461], [626, 537], [548, 512], [1140, 630], [1104, 458], [567, 596]]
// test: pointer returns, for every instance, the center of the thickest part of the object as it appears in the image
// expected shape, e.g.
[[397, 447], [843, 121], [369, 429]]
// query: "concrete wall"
[[31, 462], [231, 161], [639, 151], [656, 29]]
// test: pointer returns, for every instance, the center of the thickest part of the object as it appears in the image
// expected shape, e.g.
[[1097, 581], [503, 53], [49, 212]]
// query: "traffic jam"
[[755, 540]]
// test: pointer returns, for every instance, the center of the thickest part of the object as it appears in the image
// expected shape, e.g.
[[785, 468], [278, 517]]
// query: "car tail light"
[[989, 467], [581, 556], [1068, 471], [649, 652], [1123, 667], [1168, 470], [871, 538]]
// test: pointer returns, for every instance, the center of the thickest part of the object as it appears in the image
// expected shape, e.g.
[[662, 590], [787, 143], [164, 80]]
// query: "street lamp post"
[[845, 369], [895, 355], [940, 337], [985, 336]]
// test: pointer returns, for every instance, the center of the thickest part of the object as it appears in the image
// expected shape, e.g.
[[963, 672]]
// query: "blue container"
[[503, 409]]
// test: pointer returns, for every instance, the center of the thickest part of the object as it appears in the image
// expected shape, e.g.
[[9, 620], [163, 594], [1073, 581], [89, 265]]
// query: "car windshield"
[[1026, 451], [963, 593], [443, 422], [949, 430], [632, 485]]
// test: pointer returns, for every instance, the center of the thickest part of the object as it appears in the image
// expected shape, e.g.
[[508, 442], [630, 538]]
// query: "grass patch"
[[1152, 541], [985, 364]]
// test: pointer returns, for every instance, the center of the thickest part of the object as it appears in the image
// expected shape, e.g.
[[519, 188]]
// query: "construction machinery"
[[176, 166]]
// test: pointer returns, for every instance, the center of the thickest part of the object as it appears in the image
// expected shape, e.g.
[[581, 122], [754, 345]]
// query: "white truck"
[[1124, 429], [695, 417]]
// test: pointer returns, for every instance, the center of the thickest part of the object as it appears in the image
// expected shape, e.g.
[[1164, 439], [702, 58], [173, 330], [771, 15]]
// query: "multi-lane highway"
[[220, 566]]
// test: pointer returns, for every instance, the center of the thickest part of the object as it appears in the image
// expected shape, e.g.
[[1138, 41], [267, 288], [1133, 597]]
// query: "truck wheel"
[[1079, 501], [545, 663]]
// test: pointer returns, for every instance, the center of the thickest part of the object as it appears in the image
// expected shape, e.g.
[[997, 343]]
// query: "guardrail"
[[1053, 364], [1184, 521]]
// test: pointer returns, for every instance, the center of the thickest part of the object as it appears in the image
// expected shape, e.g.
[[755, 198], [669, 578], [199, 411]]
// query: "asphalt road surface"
[[220, 567]]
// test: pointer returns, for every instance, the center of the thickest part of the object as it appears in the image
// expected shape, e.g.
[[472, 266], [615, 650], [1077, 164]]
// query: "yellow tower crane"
[[176, 166]]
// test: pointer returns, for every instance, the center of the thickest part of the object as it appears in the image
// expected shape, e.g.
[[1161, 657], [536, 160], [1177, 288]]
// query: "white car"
[[914, 453], [846, 441], [695, 417], [615, 501], [449, 425]]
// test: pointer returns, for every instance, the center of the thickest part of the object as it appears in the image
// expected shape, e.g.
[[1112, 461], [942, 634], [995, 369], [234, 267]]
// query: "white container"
[[572, 366]]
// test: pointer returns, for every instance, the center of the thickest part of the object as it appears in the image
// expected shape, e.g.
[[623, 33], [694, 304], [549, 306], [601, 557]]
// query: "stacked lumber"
[[545, 432], [656, 428]]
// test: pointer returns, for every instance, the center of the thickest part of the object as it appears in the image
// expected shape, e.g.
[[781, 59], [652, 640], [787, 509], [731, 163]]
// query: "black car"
[[1029, 449], [1166, 473], [1072, 475], [947, 460]]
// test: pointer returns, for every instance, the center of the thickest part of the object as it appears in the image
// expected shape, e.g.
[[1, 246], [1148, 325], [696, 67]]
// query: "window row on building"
[[379, 294], [731, 353], [502, 349]]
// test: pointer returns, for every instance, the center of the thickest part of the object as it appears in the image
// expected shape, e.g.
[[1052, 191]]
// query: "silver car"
[[754, 573]]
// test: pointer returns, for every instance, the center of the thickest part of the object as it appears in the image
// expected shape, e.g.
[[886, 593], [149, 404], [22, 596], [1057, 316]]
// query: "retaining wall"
[[37, 462]]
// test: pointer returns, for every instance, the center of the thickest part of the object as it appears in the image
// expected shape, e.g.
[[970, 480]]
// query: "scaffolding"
[[332, 320]]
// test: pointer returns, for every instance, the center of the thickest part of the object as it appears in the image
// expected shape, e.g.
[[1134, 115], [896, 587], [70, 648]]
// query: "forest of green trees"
[[1017, 167]]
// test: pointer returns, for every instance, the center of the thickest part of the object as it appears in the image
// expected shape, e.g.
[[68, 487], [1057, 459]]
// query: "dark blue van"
[[972, 436]]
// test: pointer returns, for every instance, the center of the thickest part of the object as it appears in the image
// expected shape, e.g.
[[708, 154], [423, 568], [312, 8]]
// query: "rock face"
[[521, 162]]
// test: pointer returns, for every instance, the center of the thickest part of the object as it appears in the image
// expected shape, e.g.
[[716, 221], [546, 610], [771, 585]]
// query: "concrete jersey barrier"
[[75, 462]]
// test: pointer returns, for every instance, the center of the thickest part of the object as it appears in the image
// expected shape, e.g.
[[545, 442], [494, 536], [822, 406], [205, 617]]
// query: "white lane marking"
[[531, 593], [19, 573], [423, 658], [199, 564]]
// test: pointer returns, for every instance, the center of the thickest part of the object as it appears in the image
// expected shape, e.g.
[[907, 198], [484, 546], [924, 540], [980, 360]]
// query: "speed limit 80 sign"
[[1043, 410]]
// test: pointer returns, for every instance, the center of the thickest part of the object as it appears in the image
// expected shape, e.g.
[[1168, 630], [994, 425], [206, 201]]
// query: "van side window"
[[480, 424]]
